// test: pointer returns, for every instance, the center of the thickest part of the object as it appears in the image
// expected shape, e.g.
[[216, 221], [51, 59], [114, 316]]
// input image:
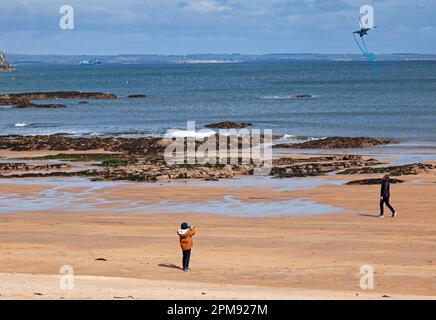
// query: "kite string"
[[364, 50], [371, 57]]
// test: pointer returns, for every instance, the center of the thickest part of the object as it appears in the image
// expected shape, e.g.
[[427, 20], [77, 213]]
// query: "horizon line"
[[209, 53]]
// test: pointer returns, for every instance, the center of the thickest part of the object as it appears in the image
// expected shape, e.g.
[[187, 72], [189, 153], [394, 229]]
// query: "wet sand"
[[298, 256]]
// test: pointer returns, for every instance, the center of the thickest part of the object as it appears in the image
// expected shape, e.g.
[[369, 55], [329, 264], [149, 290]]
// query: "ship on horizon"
[[91, 62]]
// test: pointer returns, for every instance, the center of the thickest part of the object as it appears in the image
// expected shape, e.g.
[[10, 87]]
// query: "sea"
[[395, 100]]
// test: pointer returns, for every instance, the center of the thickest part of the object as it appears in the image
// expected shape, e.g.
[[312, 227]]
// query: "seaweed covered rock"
[[370, 182], [228, 125], [336, 143], [407, 169], [56, 95]]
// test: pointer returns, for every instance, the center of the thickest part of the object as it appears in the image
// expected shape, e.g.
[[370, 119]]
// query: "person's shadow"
[[169, 265]]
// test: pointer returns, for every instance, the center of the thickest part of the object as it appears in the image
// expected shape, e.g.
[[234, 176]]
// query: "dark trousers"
[[382, 203], [186, 257]]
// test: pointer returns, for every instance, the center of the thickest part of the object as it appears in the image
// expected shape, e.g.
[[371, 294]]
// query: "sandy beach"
[[121, 241], [275, 135]]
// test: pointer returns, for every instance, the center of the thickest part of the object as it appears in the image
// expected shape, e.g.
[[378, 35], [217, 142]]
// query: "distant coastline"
[[128, 59]]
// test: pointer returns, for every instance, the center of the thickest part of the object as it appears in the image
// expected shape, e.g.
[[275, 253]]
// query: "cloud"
[[401, 28], [206, 6], [427, 32], [192, 26], [295, 19]]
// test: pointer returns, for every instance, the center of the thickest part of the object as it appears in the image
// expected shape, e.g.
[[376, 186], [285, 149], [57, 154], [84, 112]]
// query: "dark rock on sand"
[[21, 166], [336, 143], [315, 169], [137, 146], [369, 182], [137, 96], [228, 125], [56, 95], [156, 172], [291, 161], [84, 173], [408, 169]]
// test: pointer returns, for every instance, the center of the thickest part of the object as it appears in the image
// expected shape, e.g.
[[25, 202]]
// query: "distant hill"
[[21, 59]]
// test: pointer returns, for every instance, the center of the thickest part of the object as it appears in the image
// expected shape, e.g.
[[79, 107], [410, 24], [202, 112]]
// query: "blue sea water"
[[397, 100]]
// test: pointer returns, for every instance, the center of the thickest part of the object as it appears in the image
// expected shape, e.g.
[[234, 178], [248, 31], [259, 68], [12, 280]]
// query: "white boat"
[[91, 62]]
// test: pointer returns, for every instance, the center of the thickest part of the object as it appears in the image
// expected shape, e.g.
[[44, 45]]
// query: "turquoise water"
[[350, 99]]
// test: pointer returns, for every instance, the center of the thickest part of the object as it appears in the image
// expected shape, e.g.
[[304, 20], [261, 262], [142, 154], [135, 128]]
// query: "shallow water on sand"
[[77, 194]]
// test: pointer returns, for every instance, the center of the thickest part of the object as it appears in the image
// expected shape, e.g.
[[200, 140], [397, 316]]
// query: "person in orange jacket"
[[186, 233]]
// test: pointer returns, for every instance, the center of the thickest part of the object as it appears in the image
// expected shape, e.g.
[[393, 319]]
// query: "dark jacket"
[[385, 189]]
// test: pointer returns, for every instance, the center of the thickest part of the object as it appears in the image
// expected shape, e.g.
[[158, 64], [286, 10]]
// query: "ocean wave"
[[21, 124], [189, 134], [93, 134], [32, 125], [289, 138]]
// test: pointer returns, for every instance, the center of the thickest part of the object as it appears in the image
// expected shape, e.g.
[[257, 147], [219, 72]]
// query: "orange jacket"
[[186, 238]]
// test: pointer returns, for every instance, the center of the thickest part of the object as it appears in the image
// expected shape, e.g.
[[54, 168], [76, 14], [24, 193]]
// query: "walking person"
[[385, 194], [186, 233]]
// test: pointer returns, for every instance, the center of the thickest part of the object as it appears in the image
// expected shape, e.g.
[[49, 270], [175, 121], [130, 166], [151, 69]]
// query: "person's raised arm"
[[192, 231]]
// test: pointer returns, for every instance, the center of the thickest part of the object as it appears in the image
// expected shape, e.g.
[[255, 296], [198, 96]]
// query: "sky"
[[214, 26]]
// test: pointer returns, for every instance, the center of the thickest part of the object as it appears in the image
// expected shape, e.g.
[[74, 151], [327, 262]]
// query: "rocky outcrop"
[[137, 96], [157, 173], [18, 166], [6, 100], [83, 173], [41, 106], [134, 146], [291, 161], [4, 64], [336, 143], [314, 169], [369, 182], [23, 102], [155, 169], [60, 95], [228, 125], [408, 169], [142, 159]]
